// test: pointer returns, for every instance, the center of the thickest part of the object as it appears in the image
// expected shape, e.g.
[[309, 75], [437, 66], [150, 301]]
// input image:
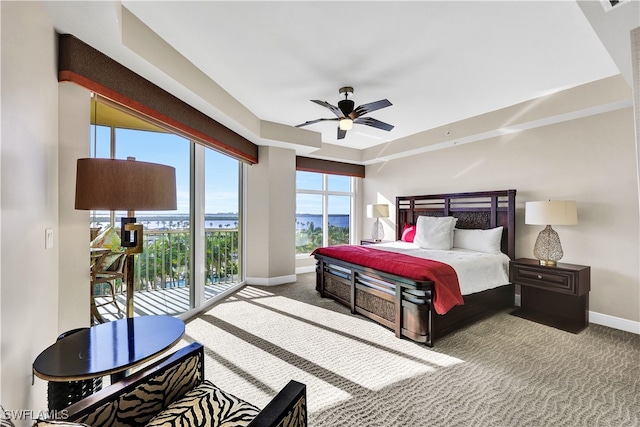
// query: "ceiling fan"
[[346, 115]]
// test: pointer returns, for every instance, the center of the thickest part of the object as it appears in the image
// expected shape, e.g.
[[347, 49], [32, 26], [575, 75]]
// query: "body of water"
[[303, 221], [164, 222], [173, 222]]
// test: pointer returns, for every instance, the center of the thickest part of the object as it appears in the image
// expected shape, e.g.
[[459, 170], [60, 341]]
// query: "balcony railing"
[[161, 272], [165, 260]]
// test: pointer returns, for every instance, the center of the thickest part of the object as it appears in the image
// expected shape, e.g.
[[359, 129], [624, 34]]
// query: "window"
[[221, 222], [324, 207], [177, 246]]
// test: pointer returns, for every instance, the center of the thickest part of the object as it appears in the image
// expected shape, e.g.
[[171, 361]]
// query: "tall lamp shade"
[[377, 212], [129, 185], [548, 249]]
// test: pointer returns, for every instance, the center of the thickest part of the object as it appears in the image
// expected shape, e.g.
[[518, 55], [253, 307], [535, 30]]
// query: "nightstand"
[[555, 296], [372, 242]]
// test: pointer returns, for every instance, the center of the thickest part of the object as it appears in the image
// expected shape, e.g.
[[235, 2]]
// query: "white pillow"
[[435, 232], [478, 240]]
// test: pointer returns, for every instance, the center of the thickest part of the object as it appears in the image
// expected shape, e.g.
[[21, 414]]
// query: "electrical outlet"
[[48, 238]]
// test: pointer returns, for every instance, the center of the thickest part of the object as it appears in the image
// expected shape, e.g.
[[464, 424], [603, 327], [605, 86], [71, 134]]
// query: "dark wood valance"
[[82, 64], [309, 164]]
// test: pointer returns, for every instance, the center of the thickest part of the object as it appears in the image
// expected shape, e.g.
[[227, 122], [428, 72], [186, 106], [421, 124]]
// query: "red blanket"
[[447, 289]]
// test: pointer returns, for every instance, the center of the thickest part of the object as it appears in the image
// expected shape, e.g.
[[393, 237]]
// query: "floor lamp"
[[125, 185]]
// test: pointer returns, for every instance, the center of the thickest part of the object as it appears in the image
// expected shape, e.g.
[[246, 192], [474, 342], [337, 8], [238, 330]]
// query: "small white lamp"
[[557, 212], [377, 212]]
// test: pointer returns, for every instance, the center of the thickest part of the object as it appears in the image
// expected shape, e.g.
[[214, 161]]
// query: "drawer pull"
[[539, 277]]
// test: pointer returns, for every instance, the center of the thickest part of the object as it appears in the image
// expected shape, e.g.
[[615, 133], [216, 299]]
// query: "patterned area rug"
[[503, 371]]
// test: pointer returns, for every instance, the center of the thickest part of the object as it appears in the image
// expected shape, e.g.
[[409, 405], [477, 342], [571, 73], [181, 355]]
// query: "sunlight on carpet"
[[254, 374], [256, 341]]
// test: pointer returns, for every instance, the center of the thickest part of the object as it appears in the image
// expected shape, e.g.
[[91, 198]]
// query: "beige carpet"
[[503, 371]]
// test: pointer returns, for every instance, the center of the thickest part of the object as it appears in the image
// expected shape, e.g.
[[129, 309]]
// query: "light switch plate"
[[48, 238]]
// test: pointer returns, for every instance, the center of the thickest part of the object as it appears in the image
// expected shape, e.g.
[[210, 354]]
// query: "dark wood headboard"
[[478, 210]]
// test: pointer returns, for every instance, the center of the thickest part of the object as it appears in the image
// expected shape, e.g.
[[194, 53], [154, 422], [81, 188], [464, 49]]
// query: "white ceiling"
[[436, 61]]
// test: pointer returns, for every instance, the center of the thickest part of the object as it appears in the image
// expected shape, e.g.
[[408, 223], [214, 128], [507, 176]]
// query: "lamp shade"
[[130, 185], [377, 211], [346, 124], [551, 212]]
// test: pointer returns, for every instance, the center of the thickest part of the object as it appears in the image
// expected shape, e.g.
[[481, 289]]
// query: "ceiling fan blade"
[[369, 121], [341, 133], [310, 122], [367, 108], [335, 110]]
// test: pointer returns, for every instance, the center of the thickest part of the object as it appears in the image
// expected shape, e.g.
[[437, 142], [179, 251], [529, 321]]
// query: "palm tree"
[[338, 235], [308, 239]]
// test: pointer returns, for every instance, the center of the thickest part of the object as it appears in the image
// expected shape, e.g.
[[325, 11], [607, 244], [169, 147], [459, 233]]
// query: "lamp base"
[[132, 242], [377, 233], [548, 248], [127, 239]]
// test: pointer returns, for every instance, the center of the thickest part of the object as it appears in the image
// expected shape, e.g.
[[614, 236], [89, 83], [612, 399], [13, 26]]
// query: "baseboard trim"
[[606, 320], [271, 281], [306, 269], [614, 322]]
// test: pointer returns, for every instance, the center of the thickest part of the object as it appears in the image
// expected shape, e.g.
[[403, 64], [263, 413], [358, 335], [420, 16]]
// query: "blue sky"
[[312, 203], [221, 172]]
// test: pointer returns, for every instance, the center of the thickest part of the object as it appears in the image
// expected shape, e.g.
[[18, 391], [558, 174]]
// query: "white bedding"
[[477, 271]]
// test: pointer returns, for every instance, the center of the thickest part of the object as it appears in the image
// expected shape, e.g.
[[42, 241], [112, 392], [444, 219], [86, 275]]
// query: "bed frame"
[[404, 305]]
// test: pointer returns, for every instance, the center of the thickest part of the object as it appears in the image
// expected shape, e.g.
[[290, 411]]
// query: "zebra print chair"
[[173, 391]]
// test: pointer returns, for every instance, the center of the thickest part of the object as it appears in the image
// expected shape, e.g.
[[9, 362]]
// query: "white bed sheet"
[[477, 271]]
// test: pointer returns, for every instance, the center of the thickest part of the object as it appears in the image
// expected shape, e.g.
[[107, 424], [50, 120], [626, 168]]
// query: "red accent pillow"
[[408, 233]]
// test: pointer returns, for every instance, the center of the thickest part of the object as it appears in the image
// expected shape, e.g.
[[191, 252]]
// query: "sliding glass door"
[[208, 197], [221, 223]]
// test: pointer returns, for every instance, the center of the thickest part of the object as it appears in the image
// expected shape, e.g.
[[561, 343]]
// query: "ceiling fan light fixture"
[[346, 124], [346, 115]]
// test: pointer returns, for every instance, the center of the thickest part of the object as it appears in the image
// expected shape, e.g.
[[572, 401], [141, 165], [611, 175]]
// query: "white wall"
[[29, 200], [590, 160], [73, 236]]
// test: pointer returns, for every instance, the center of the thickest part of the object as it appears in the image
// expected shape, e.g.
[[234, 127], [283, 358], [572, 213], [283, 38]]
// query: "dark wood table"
[[108, 349], [556, 296]]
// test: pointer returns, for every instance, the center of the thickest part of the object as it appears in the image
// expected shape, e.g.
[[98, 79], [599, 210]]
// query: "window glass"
[[309, 221], [339, 209], [308, 180], [100, 148], [221, 221], [339, 183], [323, 214], [163, 266], [163, 275], [100, 142], [165, 149]]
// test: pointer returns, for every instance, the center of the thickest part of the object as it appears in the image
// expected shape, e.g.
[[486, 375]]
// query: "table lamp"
[[129, 185], [377, 212], [548, 249]]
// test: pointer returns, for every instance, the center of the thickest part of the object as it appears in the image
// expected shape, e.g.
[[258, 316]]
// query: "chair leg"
[[95, 314], [113, 296], [114, 301]]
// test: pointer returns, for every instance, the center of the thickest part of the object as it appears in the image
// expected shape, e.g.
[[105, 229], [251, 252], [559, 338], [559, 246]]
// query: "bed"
[[405, 302]]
